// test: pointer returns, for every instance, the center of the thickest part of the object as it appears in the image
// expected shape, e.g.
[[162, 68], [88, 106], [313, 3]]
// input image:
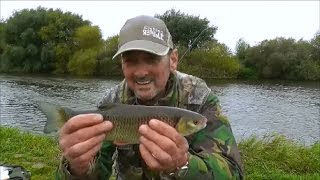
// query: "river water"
[[254, 108]]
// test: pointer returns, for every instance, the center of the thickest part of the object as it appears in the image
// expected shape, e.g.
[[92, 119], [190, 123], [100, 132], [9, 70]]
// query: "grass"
[[267, 158], [37, 153], [279, 158]]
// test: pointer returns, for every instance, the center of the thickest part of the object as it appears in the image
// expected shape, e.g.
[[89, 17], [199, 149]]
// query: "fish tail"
[[55, 114]]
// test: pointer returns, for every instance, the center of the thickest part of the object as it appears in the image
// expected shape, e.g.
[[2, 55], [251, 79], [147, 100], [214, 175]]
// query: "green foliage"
[[214, 62], [315, 47], [88, 43], [13, 59], [106, 65], [43, 39], [2, 37], [22, 26], [275, 157], [111, 45], [21, 35], [83, 62], [47, 58], [247, 73], [282, 58], [88, 37], [62, 54], [309, 70], [205, 58], [61, 26], [186, 28], [60, 32], [241, 49]]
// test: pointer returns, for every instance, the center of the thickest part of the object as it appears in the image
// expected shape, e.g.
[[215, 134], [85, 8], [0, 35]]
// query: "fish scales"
[[126, 124]]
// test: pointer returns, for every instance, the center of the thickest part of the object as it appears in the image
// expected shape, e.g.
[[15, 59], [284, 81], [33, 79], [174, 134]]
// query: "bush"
[[83, 62], [247, 73]]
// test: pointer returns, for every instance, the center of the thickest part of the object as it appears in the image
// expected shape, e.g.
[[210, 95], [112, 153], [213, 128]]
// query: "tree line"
[[280, 58], [54, 42]]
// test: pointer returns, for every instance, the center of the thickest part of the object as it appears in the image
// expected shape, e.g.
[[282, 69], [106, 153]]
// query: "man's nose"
[[142, 69]]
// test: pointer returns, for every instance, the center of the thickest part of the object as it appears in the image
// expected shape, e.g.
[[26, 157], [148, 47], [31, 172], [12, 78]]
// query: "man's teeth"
[[143, 82]]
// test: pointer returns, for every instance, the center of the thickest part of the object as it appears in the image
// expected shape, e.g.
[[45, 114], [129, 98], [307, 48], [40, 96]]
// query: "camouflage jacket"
[[213, 151]]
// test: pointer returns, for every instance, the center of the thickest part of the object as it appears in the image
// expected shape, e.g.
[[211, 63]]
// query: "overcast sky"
[[252, 20]]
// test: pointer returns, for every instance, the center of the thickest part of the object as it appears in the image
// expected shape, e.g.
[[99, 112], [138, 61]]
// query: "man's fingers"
[[83, 147], [81, 121], [170, 132], [149, 159], [163, 157], [164, 142], [84, 134], [80, 165]]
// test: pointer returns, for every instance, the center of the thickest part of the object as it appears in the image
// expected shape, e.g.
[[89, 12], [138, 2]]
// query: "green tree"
[[315, 43], [47, 58], [283, 58], [83, 62], [106, 65], [241, 49], [2, 36], [21, 34], [59, 33], [3, 58], [62, 54], [215, 61], [88, 43], [309, 70], [88, 37], [188, 30], [13, 58], [46, 37]]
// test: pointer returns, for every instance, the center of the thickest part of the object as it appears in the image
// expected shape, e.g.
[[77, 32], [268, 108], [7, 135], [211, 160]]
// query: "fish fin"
[[108, 106], [56, 116]]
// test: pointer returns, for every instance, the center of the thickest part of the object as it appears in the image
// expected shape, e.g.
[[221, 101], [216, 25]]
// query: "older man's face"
[[146, 74]]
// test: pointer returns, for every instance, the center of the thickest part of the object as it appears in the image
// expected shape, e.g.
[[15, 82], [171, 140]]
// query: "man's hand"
[[162, 147], [80, 140]]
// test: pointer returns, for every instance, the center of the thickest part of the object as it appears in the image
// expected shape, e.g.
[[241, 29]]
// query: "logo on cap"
[[152, 31]]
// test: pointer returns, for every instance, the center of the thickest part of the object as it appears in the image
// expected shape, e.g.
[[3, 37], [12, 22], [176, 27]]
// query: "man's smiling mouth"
[[143, 82]]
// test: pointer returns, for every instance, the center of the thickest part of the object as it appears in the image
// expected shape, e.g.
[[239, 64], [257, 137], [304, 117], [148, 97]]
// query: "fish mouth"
[[204, 125], [204, 122]]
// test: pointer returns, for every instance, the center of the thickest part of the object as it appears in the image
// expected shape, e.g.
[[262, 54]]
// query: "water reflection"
[[259, 108]]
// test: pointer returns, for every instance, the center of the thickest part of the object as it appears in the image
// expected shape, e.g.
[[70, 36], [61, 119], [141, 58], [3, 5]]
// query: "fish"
[[126, 119]]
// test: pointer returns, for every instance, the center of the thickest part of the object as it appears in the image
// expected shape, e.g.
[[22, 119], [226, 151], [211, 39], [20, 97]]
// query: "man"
[[149, 63]]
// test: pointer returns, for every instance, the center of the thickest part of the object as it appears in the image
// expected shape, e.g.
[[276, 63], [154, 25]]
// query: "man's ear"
[[174, 58]]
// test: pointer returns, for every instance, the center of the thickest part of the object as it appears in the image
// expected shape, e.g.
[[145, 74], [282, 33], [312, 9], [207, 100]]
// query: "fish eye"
[[195, 122]]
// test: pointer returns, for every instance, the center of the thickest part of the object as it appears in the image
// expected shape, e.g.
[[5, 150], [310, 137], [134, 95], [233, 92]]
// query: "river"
[[257, 108]]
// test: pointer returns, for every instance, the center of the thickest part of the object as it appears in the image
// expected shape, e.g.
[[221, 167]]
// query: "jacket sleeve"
[[213, 151], [101, 169]]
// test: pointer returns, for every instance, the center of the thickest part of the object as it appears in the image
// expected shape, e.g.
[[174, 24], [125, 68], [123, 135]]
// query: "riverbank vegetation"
[[52, 41], [268, 158]]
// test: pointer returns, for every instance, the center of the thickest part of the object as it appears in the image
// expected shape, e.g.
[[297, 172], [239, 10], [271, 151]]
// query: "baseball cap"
[[145, 33]]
